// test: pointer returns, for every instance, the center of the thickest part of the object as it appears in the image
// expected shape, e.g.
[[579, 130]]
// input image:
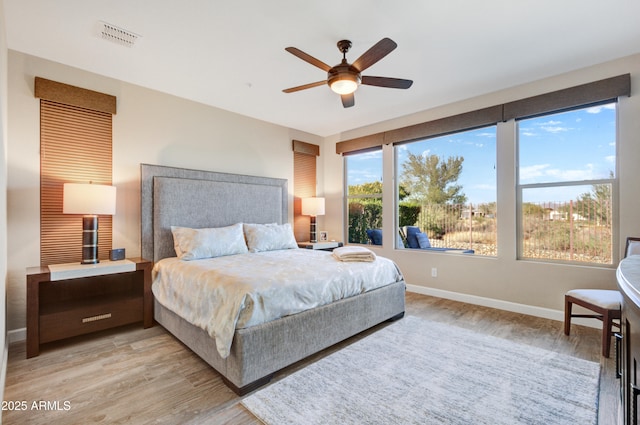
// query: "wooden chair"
[[604, 303], [606, 307]]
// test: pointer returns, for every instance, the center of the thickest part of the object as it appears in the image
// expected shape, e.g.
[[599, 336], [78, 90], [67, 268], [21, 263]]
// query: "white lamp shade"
[[313, 206], [89, 199]]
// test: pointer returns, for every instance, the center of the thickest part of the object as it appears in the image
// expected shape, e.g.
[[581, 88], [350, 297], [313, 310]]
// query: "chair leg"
[[567, 315], [606, 333]]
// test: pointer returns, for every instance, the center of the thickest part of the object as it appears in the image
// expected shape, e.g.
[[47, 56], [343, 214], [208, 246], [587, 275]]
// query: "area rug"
[[416, 371]]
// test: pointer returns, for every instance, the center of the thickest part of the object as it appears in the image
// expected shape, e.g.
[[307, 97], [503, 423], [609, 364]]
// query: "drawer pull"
[[95, 318], [618, 355]]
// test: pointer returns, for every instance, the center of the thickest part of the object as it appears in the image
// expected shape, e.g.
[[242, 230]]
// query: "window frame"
[[398, 173], [615, 202], [347, 197]]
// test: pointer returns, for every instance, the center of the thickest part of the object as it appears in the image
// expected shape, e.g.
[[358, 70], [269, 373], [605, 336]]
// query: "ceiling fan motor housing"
[[343, 72]]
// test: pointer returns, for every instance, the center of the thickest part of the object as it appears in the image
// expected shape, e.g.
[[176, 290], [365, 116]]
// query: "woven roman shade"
[[451, 124], [75, 146], [596, 92], [608, 89], [304, 184]]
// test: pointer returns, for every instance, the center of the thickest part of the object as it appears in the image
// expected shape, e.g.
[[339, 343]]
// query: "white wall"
[[149, 127], [505, 281]]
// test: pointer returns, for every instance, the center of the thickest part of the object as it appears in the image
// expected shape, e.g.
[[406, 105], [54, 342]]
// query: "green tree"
[[364, 212], [370, 188], [432, 181], [596, 205]]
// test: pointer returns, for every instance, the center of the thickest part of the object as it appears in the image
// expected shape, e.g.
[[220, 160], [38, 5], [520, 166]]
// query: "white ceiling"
[[230, 54]]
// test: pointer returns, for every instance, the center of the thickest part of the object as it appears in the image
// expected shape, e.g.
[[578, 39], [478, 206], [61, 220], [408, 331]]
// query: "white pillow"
[[194, 244], [269, 237]]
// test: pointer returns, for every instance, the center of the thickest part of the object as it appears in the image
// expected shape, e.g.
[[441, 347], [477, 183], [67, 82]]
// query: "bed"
[[203, 199]]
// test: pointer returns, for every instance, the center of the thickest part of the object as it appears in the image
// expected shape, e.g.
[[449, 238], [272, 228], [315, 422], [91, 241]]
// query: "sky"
[[571, 146]]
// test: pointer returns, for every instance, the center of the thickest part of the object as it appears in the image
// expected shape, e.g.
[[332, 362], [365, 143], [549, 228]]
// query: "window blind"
[[304, 184], [75, 146]]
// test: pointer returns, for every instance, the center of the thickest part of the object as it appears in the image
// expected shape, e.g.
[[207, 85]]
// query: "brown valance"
[[465, 121], [452, 124], [592, 93], [306, 148], [74, 96]]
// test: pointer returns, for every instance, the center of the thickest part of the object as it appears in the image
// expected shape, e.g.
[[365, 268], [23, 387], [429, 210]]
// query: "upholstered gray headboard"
[[191, 198]]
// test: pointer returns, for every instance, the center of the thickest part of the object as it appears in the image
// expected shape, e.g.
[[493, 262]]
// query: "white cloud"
[[543, 173], [555, 129], [598, 109], [548, 123], [367, 156], [533, 171]]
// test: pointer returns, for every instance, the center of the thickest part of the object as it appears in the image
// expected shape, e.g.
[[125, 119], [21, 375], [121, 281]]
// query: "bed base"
[[258, 352]]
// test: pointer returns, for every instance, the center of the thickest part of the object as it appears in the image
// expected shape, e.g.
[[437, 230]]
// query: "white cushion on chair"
[[633, 248], [608, 299]]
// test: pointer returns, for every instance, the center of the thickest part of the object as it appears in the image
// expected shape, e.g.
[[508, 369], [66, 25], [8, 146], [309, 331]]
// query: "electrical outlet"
[[434, 272]]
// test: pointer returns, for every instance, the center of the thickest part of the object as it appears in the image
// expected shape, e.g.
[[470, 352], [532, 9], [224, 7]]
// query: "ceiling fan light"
[[344, 86]]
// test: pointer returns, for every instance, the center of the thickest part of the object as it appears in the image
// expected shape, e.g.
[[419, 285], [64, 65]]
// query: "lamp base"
[[312, 229], [90, 239]]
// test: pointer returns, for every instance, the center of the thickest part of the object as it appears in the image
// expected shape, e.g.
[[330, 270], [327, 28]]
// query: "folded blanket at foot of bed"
[[354, 253]]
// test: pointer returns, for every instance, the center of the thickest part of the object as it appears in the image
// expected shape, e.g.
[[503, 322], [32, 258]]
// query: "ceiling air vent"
[[118, 35]]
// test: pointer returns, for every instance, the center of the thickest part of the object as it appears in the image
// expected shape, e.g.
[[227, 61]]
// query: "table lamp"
[[89, 200], [313, 207]]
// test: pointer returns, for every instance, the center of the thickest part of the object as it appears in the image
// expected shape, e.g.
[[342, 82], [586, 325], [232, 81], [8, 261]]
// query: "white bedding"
[[236, 291]]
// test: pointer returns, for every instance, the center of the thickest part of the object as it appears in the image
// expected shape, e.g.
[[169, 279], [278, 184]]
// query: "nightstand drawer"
[[67, 321]]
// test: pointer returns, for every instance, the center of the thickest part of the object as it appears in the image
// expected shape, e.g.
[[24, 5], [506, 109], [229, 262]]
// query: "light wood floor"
[[135, 375]]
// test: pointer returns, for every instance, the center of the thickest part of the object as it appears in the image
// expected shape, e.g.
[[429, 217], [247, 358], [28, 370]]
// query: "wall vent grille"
[[118, 35]]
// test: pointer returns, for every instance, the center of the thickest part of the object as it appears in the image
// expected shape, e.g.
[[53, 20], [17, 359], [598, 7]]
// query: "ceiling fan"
[[345, 78]]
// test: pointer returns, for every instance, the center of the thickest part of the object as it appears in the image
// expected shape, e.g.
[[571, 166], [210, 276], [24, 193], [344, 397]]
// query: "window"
[[364, 196], [304, 184], [566, 181], [447, 187], [75, 146]]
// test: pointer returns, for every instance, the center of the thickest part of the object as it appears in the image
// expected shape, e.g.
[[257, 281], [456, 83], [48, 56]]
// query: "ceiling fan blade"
[[308, 58], [305, 86], [348, 100], [379, 50], [394, 83]]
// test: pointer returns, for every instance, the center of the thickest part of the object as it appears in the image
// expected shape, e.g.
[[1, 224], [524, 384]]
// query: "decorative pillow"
[[269, 237], [423, 240], [194, 244], [375, 236], [412, 241]]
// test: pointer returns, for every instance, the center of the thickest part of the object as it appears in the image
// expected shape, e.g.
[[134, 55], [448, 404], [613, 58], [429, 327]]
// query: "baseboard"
[[530, 310], [17, 335], [3, 371]]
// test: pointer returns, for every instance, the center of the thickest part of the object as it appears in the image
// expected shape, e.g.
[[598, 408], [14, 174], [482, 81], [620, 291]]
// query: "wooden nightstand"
[[323, 246], [66, 300]]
